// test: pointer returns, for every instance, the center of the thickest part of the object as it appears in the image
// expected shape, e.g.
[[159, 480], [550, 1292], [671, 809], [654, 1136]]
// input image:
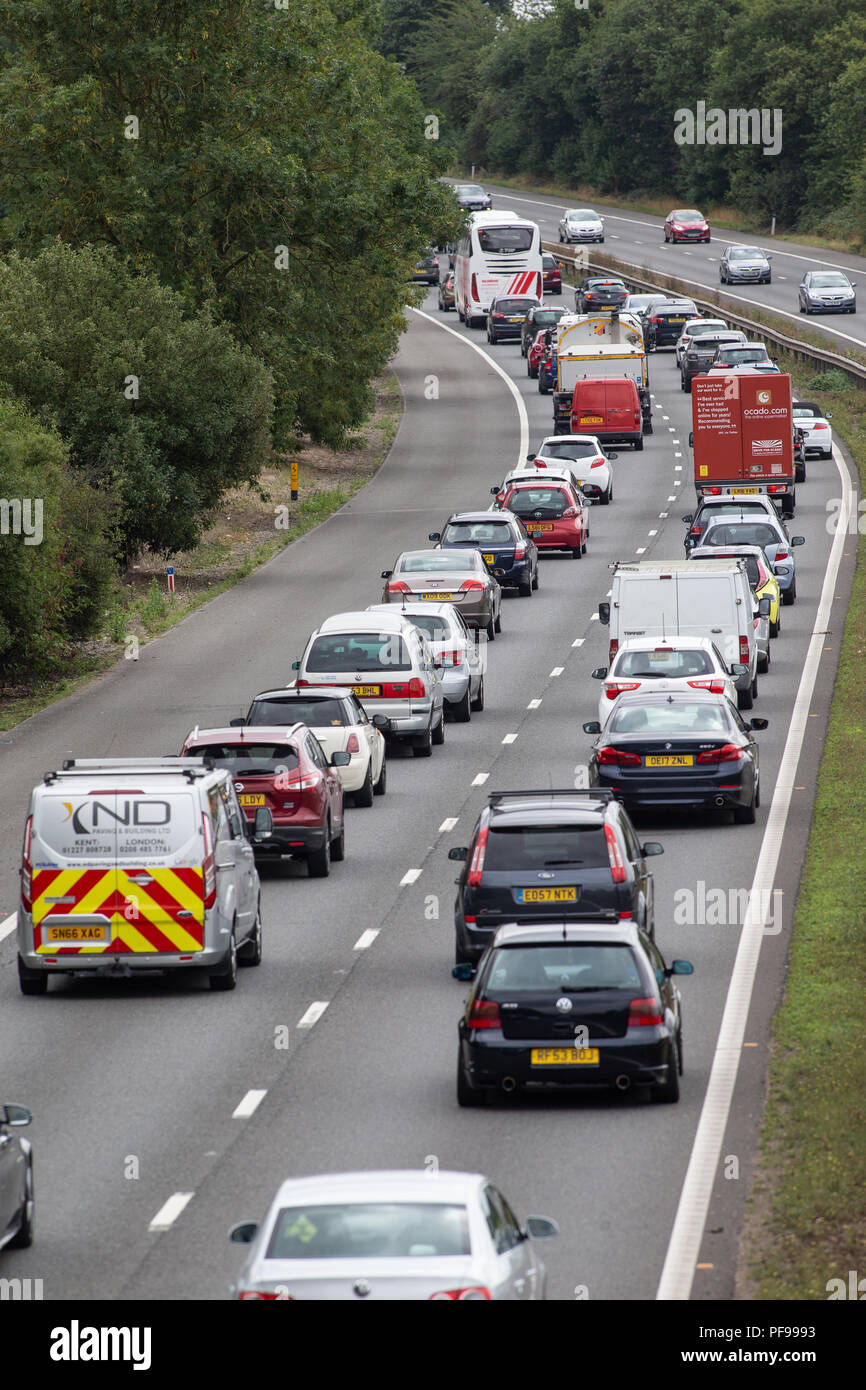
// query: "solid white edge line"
[[313, 1014], [688, 1229], [411, 876], [170, 1211], [509, 381], [8, 925], [249, 1105], [366, 939]]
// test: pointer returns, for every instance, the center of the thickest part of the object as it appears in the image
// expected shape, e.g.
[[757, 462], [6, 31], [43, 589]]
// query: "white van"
[[138, 864], [675, 597]]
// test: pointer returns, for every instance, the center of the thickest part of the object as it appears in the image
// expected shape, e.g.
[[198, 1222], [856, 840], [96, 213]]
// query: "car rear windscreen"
[[478, 532], [566, 968], [250, 759], [359, 651], [514, 306], [502, 241], [741, 533], [568, 451], [753, 569], [544, 318], [306, 711], [649, 665], [370, 1230], [683, 719], [549, 502], [536, 847], [437, 562], [433, 627]]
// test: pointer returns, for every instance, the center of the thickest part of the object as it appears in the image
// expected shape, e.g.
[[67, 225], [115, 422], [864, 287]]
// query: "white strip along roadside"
[[688, 1228], [512, 386]]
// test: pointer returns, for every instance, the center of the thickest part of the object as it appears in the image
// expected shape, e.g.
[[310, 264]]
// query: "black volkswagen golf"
[[571, 1004], [545, 855]]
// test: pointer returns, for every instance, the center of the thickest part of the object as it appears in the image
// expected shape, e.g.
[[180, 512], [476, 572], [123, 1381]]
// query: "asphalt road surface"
[[134, 1084]]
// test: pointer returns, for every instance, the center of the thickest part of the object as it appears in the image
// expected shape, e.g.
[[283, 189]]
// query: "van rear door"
[[706, 607], [588, 408]]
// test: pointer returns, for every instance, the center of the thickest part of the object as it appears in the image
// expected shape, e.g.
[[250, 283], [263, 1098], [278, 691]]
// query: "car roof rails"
[[190, 767], [590, 793]]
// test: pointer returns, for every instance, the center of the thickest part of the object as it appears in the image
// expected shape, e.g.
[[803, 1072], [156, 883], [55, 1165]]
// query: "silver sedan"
[[447, 576], [16, 1179], [404, 1235]]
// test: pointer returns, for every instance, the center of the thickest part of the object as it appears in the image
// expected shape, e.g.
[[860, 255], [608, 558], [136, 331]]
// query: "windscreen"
[[545, 318], [659, 721], [311, 712], [479, 532], [370, 1230], [550, 502], [504, 241], [827, 280], [753, 569], [745, 253], [741, 533], [514, 306], [251, 759], [535, 847], [663, 662], [359, 651], [437, 562], [574, 450], [580, 969]]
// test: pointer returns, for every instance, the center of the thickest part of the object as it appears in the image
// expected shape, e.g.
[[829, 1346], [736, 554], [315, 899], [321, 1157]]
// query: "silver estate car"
[[447, 576], [404, 1235], [463, 657]]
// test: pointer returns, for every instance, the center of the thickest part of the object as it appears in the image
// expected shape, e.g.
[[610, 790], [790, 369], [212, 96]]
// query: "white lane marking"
[[366, 939], [672, 499], [688, 1228], [510, 738], [557, 671], [670, 430], [533, 704], [411, 876], [578, 642], [249, 1105], [313, 1014], [666, 417], [641, 550], [170, 1211], [8, 925], [662, 516], [593, 617], [448, 824], [678, 468], [678, 453], [480, 778], [652, 533], [509, 382]]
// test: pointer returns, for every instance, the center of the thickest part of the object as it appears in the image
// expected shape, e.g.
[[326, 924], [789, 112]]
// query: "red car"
[[536, 353], [551, 276], [686, 225], [286, 770], [553, 514]]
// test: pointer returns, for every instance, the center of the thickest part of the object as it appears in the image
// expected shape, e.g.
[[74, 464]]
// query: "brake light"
[[475, 290], [27, 869], [714, 687], [609, 756], [451, 658], [614, 688], [398, 587], [711, 491], [299, 683], [417, 689], [777, 487], [476, 865], [296, 782], [655, 319], [520, 551], [728, 753], [598, 463], [570, 512], [471, 584], [208, 865], [820, 427], [644, 1013], [497, 315], [782, 555], [538, 285], [744, 650], [475, 1291], [617, 867], [249, 1294], [484, 1014], [352, 744], [696, 530]]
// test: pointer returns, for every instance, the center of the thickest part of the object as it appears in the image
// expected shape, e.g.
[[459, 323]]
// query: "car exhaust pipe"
[[509, 1084], [623, 1083], [720, 801]]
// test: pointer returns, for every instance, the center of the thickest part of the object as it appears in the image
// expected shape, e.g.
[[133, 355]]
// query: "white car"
[[463, 658], [581, 224], [816, 425], [676, 663], [693, 329], [394, 1236], [585, 457], [340, 723]]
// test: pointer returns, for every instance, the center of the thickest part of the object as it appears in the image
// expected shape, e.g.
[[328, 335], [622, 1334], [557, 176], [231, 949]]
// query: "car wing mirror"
[[651, 848], [599, 673], [340, 759], [381, 721], [434, 535], [758, 723], [604, 613], [458, 852], [263, 825], [244, 1233], [15, 1115], [296, 665], [464, 971], [541, 1227], [798, 540], [680, 967], [236, 723], [592, 726]]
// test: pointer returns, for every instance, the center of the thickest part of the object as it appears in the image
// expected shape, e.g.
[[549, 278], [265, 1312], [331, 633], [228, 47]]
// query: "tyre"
[[491, 631], [497, 622], [319, 861], [438, 734], [31, 981], [23, 1238], [666, 237], [745, 699], [467, 1096], [226, 977], [682, 382], [577, 552], [764, 663], [638, 444], [478, 702], [461, 710], [606, 496], [338, 845], [364, 795], [757, 791], [669, 1091], [745, 815], [535, 578], [424, 749], [776, 628], [381, 785], [826, 454], [790, 595], [585, 540], [250, 953]]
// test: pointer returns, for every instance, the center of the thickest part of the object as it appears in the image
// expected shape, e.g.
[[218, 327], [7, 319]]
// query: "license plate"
[[533, 526], [676, 760], [251, 798], [367, 689], [515, 320], [91, 935], [676, 320], [592, 419], [436, 597], [546, 895], [488, 559], [740, 490], [564, 1056]]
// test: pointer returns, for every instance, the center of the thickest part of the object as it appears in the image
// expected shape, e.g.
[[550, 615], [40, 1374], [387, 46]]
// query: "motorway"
[[638, 239], [134, 1084]]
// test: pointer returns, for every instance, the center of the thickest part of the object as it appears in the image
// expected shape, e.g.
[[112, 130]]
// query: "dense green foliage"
[[55, 565], [75, 328], [589, 95]]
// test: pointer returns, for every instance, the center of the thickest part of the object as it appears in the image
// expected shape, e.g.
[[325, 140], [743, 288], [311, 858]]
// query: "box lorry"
[[742, 436], [598, 347]]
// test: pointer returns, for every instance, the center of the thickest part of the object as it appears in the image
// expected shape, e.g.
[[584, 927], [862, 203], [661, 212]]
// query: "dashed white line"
[[249, 1105], [678, 453], [593, 617], [678, 468], [366, 939], [533, 704], [510, 738], [641, 550], [578, 642], [170, 1211], [480, 778], [672, 499], [670, 429], [448, 824], [662, 516], [8, 925], [652, 533], [557, 671], [313, 1014], [411, 876]]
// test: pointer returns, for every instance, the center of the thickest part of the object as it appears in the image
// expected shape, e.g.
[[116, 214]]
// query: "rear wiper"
[[563, 861]]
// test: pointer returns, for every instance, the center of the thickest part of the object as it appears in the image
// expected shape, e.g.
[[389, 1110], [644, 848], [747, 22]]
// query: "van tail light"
[[728, 753], [208, 866], [475, 289], [777, 487], [484, 1014], [417, 689], [614, 688], [617, 867], [471, 584], [711, 491], [782, 555], [744, 650], [476, 866], [612, 649], [644, 1013], [398, 587], [27, 869], [617, 756], [520, 551], [714, 687], [352, 744], [466, 1295]]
